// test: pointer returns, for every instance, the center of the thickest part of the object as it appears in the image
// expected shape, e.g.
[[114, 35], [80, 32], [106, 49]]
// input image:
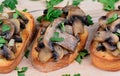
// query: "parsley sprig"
[[76, 2], [21, 71], [81, 55], [112, 19], [8, 4], [108, 5], [70, 75], [52, 3], [56, 37]]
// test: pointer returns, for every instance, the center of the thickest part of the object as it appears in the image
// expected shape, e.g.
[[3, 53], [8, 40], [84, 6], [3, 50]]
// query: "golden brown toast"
[[26, 34]]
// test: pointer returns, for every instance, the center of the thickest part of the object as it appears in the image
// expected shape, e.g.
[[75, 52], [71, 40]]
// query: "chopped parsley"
[[56, 37], [118, 34], [1, 21], [76, 2], [62, 26], [52, 3], [112, 19], [2, 41], [24, 10], [81, 55], [17, 14], [39, 19], [70, 75], [89, 20], [9, 4], [21, 71], [53, 14], [5, 28], [27, 53], [108, 5]]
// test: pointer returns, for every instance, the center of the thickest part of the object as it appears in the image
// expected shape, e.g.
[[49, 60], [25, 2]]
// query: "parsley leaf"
[[62, 26], [21, 71], [2, 41], [118, 34], [1, 21], [8, 4], [52, 3], [24, 10], [112, 19], [81, 55], [89, 20], [27, 53], [70, 75], [108, 5], [5, 28], [56, 37], [76, 2], [17, 14], [39, 19], [53, 14]]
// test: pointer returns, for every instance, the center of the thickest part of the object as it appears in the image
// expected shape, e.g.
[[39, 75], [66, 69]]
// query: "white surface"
[[86, 68]]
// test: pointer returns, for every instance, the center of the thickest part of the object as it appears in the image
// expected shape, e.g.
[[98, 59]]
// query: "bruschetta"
[[57, 43], [16, 30], [105, 47]]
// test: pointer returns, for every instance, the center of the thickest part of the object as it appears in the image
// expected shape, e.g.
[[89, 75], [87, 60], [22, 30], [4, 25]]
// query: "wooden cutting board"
[[85, 68]]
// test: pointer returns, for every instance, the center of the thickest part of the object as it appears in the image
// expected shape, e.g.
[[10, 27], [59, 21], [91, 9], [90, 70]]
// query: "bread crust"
[[65, 61], [7, 66], [103, 59]]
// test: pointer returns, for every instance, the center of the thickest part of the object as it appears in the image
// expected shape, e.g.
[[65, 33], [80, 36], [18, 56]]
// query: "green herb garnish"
[[17, 14], [108, 5], [62, 26], [112, 19], [39, 19], [24, 10], [89, 20], [52, 3], [27, 53], [2, 41], [116, 33], [1, 21], [53, 14], [76, 2], [70, 75], [81, 55], [21, 71], [9, 4], [56, 38], [5, 28]]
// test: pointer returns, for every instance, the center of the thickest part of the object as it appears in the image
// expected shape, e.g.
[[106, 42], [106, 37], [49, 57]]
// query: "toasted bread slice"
[[65, 61], [26, 34], [103, 59]]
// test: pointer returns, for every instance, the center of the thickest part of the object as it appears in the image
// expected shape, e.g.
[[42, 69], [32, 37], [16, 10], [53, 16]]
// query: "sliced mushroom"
[[44, 55], [50, 31], [116, 52], [45, 23], [69, 29], [17, 38], [73, 10], [102, 36], [109, 46], [8, 34], [102, 22], [8, 54], [22, 23], [5, 15], [1, 53], [70, 42], [118, 45], [59, 51], [16, 24], [115, 26], [78, 27]]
